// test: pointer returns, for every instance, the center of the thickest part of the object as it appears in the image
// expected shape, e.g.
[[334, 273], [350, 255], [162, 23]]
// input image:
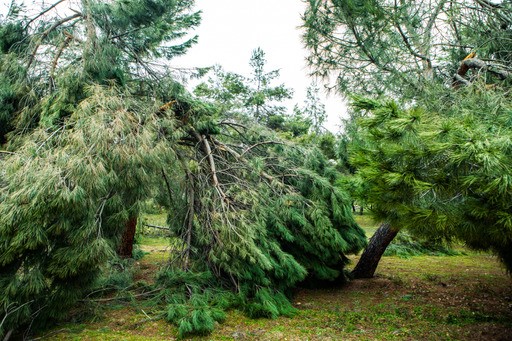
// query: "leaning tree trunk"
[[371, 256], [126, 247]]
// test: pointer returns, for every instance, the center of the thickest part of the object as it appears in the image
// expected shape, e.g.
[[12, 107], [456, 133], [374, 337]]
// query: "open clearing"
[[465, 297]]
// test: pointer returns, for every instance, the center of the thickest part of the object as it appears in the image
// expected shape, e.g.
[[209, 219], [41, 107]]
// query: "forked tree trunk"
[[371, 256], [126, 247]]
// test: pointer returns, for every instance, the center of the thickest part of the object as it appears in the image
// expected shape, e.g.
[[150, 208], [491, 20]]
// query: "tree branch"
[[470, 62], [43, 12], [64, 44], [157, 227], [207, 149], [474, 63], [47, 32]]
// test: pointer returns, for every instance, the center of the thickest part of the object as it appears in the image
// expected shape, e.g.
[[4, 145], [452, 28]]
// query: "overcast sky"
[[232, 29]]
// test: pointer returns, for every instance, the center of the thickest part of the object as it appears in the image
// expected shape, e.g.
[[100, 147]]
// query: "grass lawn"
[[464, 297]]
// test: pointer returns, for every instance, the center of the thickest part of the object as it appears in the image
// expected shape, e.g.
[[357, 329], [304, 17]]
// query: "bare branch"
[[157, 227], [47, 32], [43, 12]]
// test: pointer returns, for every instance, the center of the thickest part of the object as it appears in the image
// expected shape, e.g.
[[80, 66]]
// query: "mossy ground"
[[464, 297]]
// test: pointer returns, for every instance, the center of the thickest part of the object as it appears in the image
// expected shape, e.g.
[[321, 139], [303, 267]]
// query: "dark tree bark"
[[371, 256], [126, 247]]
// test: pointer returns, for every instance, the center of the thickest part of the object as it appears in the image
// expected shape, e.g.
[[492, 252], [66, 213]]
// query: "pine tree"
[[261, 99], [442, 176], [419, 53], [275, 203], [314, 109], [252, 96], [78, 103], [383, 47], [94, 130]]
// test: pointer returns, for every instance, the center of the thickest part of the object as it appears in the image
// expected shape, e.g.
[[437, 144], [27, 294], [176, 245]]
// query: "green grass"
[[463, 297], [161, 242], [367, 224], [159, 219]]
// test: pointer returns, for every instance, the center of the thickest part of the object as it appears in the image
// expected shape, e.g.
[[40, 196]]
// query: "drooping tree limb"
[[47, 32], [209, 155], [248, 149], [64, 44], [239, 157], [190, 213], [167, 184]]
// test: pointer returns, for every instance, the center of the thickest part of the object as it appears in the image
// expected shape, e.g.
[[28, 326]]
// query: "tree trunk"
[[371, 256], [126, 247]]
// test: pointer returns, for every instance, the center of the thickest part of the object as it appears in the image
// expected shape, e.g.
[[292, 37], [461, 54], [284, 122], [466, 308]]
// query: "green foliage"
[[146, 25], [117, 275], [12, 35], [254, 96], [194, 303], [297, 124], [47, 61], [94, 131], [442, 175], [66, 188], [313, 109], [356, 187], [401, 48], [405, 246], [270, 222]]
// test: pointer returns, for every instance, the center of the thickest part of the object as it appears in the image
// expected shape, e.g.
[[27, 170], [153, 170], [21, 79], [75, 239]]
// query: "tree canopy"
[[414, 152], [399, 47], [442, 175], [97, 124]]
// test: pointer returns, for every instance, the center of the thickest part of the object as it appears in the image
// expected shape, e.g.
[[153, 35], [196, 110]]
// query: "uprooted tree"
[[94, 129]]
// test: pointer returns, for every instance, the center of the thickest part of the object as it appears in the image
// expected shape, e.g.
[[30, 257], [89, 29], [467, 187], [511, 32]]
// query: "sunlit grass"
[[367, 224]]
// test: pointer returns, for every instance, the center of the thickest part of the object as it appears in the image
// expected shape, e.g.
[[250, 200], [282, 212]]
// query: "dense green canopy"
[[94, 126], [442, 174]]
